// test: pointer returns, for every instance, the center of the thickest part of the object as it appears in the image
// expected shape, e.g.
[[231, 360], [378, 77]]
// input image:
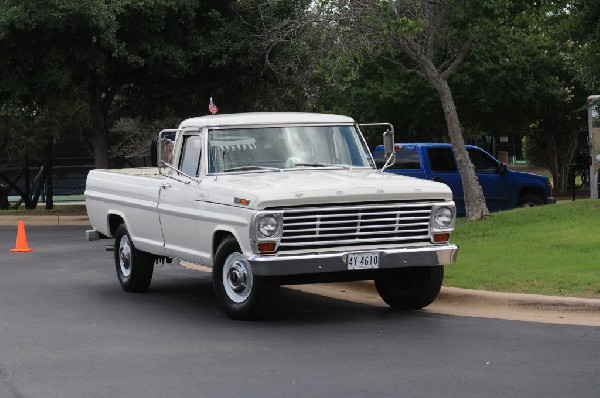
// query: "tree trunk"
[[12, 183], [36, 187], [558, 173], [42, 176], [558, 164], [100, 140], [99, 127], [49, 172], [475, 205], [26, 195], [4, 191]]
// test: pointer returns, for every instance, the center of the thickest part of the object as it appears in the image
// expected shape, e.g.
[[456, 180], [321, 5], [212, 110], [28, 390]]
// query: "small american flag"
[[212, 108]]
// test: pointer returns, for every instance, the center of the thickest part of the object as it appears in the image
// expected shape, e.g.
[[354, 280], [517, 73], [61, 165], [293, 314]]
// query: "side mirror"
[[502, 168], [162, 149], [166, 152], [388, 143], [161, 154]]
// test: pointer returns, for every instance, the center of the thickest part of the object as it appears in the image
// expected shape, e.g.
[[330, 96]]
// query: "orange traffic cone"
[[21, 245]]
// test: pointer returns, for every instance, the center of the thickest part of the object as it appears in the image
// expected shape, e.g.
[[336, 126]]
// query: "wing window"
[[482, 162], [191, 155]]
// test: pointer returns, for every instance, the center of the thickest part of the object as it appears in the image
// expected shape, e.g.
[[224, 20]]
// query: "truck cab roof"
[[265, 118]]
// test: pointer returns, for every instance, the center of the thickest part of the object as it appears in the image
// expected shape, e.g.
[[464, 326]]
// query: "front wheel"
[[410, 288], [530, 200], [134, 267], [241, 294]]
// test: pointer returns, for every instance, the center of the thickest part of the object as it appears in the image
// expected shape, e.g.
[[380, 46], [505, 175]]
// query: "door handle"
[[165, 185], [201, 195]]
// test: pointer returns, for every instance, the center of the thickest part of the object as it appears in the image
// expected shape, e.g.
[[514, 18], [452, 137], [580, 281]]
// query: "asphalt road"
[[67, 330]]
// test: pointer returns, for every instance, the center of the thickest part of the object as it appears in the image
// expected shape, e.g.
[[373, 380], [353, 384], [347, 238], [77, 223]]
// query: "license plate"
[[362, 260]]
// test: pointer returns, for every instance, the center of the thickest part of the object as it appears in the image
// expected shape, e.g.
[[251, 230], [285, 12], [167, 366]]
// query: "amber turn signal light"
[[266, 247], [441, 238]]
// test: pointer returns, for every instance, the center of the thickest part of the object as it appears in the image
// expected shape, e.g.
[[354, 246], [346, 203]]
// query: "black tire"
[[530, 200], [410, 288], [134, 267], [241, 294]]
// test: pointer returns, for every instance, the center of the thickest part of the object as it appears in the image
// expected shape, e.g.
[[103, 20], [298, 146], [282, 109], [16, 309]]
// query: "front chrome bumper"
[[336, 262]]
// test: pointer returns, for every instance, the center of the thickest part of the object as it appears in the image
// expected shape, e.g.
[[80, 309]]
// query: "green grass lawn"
[[63, 209], [552, 250]]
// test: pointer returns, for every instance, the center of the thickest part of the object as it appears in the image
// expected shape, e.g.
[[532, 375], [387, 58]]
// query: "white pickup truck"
[[266, 199]]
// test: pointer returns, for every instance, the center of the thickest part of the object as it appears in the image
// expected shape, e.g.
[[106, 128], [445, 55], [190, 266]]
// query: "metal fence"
[[69, 174]]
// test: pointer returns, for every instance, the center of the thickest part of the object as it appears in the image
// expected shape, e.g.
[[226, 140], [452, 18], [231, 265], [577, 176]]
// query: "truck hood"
[[531, 176], [303, 187]]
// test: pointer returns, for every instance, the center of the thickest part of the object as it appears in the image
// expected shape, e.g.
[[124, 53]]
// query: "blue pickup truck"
[[503, 189]]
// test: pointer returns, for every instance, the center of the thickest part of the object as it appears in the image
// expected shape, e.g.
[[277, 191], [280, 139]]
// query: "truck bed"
[[137, 171], [131, 194]]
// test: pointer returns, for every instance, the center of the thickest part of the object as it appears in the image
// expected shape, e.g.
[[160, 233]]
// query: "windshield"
[[286, 148]]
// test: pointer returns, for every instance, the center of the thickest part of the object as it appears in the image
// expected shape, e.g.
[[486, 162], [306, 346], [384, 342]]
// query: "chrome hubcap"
[[237, 277], [125, 256]]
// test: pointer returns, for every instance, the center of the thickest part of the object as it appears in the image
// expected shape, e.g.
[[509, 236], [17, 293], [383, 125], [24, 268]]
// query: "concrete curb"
[[455, 296], [478, 304], [450, 296], [519, 300]]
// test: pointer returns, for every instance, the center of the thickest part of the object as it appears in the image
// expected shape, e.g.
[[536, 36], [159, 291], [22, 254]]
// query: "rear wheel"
[[134, 267], [241, 294], [410, 288]]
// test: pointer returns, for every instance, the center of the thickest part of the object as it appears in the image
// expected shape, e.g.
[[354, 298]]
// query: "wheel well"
[[219, 237], [532, 191], [114, 221]]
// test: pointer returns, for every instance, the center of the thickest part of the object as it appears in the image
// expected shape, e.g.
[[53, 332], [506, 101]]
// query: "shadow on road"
[[191, 297]]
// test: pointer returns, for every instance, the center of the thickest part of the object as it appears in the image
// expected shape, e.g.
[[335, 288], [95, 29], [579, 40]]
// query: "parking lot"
[[67, 330]]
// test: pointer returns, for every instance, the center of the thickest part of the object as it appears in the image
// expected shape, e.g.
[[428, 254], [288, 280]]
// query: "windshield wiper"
[[318, 164], [249, 168]]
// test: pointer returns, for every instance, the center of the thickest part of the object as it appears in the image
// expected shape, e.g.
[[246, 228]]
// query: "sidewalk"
[[478, 303], [48, 220], [451, 300]]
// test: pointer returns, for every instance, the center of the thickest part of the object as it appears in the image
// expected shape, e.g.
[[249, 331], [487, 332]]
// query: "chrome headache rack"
[[365, 225]]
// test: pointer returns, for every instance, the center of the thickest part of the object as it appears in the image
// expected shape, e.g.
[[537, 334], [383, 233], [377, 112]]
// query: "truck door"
[[178, 209], [496, 187], [443, 169]]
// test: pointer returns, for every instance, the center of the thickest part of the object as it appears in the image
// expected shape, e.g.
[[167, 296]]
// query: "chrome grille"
[[369, 224]]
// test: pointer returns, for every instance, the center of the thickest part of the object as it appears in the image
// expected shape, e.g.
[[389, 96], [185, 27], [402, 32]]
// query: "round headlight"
[[443, 217], [268, 226]]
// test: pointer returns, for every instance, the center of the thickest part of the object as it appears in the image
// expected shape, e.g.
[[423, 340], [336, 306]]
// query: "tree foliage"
[[584, 34], [520, 75], [554, 98], [428, 38], [30, 134], [117, 69], [119, 56]]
